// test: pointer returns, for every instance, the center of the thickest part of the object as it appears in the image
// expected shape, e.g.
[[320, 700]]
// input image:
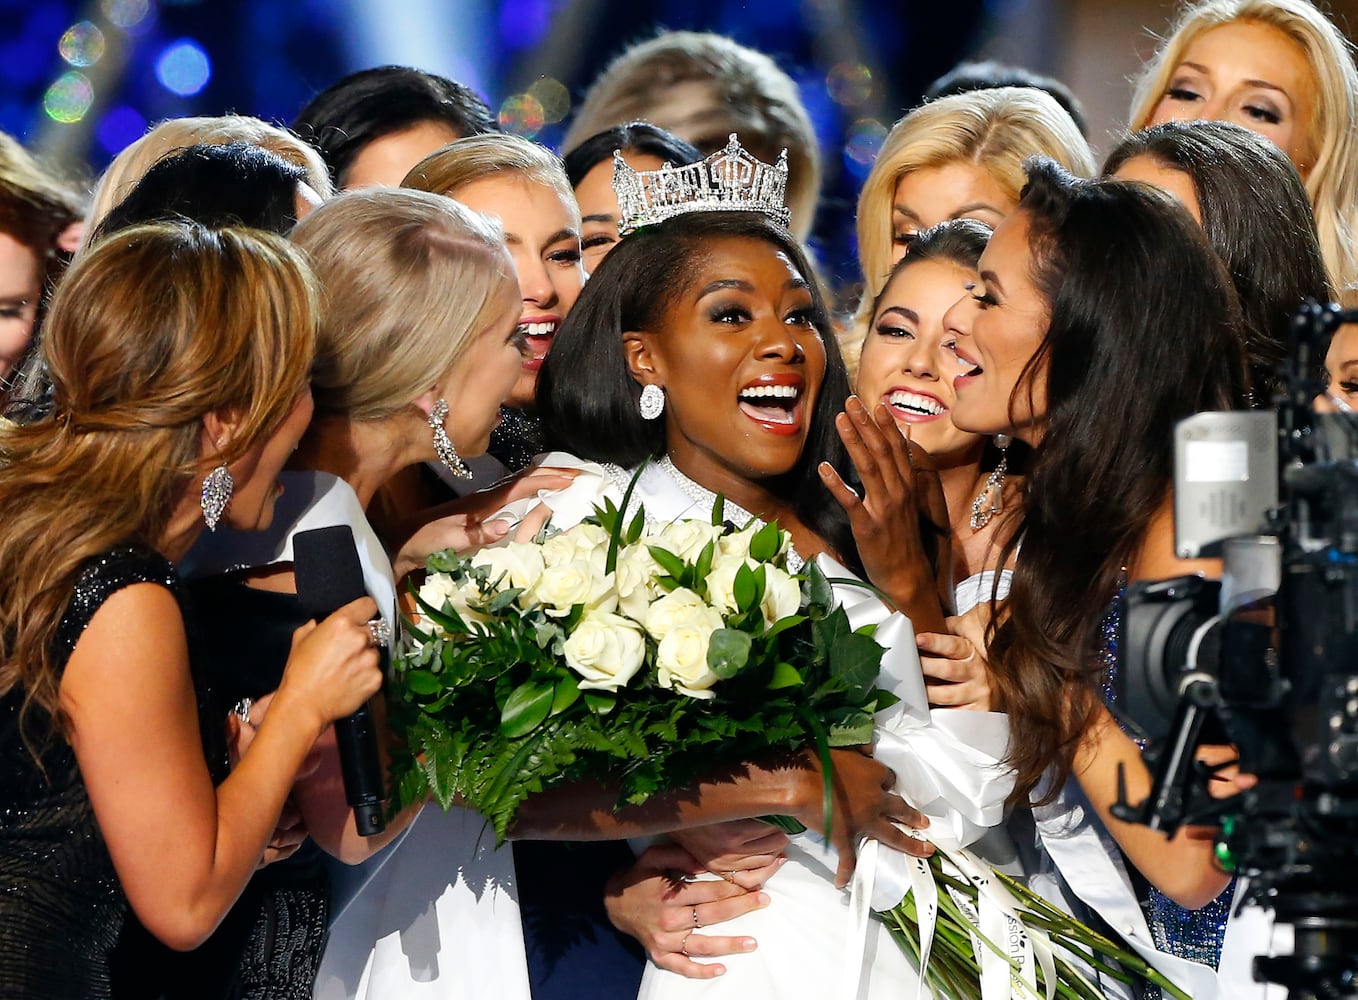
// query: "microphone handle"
[[357, 741]]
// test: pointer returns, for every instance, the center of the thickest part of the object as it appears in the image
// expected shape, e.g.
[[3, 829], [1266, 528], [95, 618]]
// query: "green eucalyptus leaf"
[[504, 599], [527, 707], [727, 652]]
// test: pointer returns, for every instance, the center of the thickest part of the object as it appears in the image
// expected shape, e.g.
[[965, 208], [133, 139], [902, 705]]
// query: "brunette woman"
[[179, 361]]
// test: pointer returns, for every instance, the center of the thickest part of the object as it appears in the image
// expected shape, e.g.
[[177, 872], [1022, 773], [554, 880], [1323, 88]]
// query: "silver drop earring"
[[217, 487], [991, 499], [652, 402], [443, 445]]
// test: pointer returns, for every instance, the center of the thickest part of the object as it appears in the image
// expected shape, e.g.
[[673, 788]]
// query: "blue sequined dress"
[[1195, 935]]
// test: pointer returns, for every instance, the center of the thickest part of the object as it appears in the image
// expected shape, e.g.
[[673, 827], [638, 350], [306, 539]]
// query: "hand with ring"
[[655, 903], [745, 852]]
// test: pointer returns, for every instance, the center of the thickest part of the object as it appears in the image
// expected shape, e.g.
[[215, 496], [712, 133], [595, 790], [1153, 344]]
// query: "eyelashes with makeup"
[[1259, 112], [985, 299]]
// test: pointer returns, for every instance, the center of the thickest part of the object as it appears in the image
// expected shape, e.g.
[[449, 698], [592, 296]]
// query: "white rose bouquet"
[[634, 655]]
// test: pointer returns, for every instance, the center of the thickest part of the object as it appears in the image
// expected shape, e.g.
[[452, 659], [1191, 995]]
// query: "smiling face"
[[741, 362], [1250, 74], [931, 195], [542, 230], [999, 326], [480, 381], [599, 205], [908, 362], [20, 289]]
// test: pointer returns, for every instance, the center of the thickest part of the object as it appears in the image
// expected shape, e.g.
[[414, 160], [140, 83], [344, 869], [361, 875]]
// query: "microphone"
[[329, 576]]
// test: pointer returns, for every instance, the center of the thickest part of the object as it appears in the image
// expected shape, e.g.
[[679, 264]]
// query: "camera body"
[[1265, 659]]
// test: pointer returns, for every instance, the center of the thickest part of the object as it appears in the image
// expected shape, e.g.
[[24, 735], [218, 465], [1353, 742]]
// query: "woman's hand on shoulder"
[[886, 520], [657, 902], [956, 673]]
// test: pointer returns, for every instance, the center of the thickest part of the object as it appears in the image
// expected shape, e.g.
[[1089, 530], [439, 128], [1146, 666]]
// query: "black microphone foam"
[[329, 576]]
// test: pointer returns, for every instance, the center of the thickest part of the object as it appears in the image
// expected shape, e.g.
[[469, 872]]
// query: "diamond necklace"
[[730, 512], [704, 497]]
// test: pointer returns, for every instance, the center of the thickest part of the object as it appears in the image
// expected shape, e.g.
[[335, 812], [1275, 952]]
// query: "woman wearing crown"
[[701, 353]]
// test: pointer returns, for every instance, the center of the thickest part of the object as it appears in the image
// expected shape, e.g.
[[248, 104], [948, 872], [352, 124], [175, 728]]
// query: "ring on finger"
[[379, 633], [242, 710], [696, 922], [683, 945], [730, 877]]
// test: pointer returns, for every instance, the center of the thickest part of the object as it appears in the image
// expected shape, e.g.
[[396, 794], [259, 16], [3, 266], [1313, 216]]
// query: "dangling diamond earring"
[[652, 402], [443, 445], [217, 487], [991, 500]]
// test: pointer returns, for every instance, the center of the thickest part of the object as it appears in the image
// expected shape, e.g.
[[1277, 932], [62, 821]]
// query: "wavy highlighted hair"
[[147, 335]]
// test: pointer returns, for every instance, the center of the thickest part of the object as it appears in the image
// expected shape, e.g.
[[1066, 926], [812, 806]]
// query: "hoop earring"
[[652, 401], [991, 499], [217, 487], [443, 444]]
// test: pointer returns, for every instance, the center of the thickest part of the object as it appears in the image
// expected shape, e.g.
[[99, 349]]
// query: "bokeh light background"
[[80, 80]]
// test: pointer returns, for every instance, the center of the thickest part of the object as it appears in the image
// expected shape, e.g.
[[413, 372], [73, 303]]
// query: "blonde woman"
[[959, 157], [702, 87], [1280, 68], [174, 134], [179, 361], [417, 347]]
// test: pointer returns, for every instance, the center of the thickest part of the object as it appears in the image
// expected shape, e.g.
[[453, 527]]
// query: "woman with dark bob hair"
[[1102, 319], [1253, 206]]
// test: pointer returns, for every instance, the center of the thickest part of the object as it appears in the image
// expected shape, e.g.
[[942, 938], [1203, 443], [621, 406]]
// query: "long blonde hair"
[[174, 134], [1332, 181], [147, 334], [409, 279], [754, 98], [995, 129]]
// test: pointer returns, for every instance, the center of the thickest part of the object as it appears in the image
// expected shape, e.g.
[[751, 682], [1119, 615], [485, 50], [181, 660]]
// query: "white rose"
[[782, 595], [680, 607], [579, 581], [686, 539], [580, 542], [681, 660], [736, 545], [440, 591], [634, 581], [721, 582], [518, 564], [606, 650]]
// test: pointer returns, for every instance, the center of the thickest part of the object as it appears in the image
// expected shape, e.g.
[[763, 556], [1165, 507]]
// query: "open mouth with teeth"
[[914, 407], [537, 337], [774, 405], [970, 369]]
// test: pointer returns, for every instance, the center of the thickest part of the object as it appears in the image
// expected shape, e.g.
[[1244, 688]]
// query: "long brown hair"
[[1144, 331], [147, 334]]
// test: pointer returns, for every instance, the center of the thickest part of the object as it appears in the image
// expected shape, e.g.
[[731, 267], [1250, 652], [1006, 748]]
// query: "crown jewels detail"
[[730, 180]]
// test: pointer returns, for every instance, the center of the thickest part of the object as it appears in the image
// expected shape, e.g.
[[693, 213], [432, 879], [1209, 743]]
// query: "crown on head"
[[730, 180]]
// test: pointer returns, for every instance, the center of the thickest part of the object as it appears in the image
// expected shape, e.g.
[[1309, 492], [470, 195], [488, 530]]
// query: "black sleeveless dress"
[[61, 906], [268, 947]]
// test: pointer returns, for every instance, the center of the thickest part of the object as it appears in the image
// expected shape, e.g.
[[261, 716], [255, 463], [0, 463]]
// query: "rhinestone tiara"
[[730, 180]]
